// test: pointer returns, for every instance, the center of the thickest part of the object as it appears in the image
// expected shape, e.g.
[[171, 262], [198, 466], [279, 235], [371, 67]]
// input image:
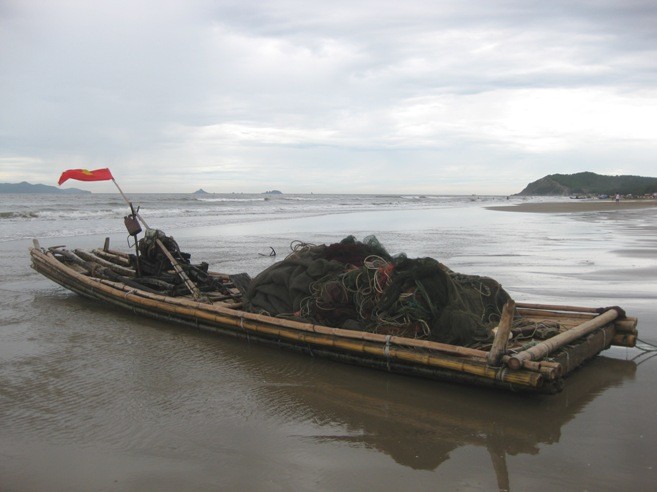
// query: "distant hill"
[[588, 183], [26, 187]]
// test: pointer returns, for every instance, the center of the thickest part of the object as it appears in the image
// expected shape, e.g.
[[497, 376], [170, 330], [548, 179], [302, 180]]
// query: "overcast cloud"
[[343, 96]]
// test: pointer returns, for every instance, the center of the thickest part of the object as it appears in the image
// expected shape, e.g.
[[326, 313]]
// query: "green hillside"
[[588, 183]]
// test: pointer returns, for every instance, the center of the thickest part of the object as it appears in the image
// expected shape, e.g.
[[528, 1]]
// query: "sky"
[[419, 96]]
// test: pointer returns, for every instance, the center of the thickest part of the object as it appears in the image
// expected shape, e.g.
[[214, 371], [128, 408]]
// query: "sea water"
[[61, 215], [94, 398]]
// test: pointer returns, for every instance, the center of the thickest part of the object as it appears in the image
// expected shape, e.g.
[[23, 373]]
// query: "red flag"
[[86, 175]]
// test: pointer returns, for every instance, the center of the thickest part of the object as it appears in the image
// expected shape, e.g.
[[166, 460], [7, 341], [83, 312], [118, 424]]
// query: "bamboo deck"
[[524, 365]]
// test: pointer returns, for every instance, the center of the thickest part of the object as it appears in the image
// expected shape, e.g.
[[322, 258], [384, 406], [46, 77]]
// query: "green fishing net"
[[358, 285]]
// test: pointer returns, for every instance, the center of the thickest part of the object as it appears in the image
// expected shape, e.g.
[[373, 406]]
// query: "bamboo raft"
[[519, 365]]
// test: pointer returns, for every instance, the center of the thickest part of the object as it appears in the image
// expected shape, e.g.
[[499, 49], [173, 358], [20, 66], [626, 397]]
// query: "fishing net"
[[358, 285]]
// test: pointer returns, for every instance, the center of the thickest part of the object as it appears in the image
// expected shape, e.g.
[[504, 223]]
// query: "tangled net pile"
[[358, 285]]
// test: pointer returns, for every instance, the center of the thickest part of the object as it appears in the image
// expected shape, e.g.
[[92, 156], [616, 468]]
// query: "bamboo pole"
[[550, 369], [539, 313], [92, 258], [75, 259], [112, 258], [574, 356], [547, 346], [556, 307], [93, 271], [494, 357], [627, 325], [624, 340], [117, 253]]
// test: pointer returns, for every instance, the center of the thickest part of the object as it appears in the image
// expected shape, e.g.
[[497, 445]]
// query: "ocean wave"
[[83, 214], [224, 200], [298, 199], [19, 215]]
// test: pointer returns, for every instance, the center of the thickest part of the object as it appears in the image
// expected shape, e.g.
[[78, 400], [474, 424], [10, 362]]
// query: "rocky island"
[[25, 187]]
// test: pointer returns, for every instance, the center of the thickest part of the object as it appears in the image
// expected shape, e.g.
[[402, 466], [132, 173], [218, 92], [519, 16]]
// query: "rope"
[[651, 347], [643, 354]]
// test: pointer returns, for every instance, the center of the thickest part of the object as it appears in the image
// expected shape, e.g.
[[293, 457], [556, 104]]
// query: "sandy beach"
[[95, 398], [574, 206]]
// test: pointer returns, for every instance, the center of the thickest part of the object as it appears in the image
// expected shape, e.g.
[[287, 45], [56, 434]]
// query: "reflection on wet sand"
[[419, 426], [131, 387]]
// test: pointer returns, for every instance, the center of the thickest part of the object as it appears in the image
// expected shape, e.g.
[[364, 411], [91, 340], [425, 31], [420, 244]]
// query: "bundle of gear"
[[156, 270], [358, 285]]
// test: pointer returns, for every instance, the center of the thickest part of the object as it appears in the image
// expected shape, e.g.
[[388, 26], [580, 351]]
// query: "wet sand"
[[574, 206], [94, 398]]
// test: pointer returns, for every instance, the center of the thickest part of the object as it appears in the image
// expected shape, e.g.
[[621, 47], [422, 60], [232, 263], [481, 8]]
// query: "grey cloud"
[[239, 85]]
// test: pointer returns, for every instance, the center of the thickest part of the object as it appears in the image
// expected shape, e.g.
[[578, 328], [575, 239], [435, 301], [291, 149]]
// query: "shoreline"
[[575, 206]]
